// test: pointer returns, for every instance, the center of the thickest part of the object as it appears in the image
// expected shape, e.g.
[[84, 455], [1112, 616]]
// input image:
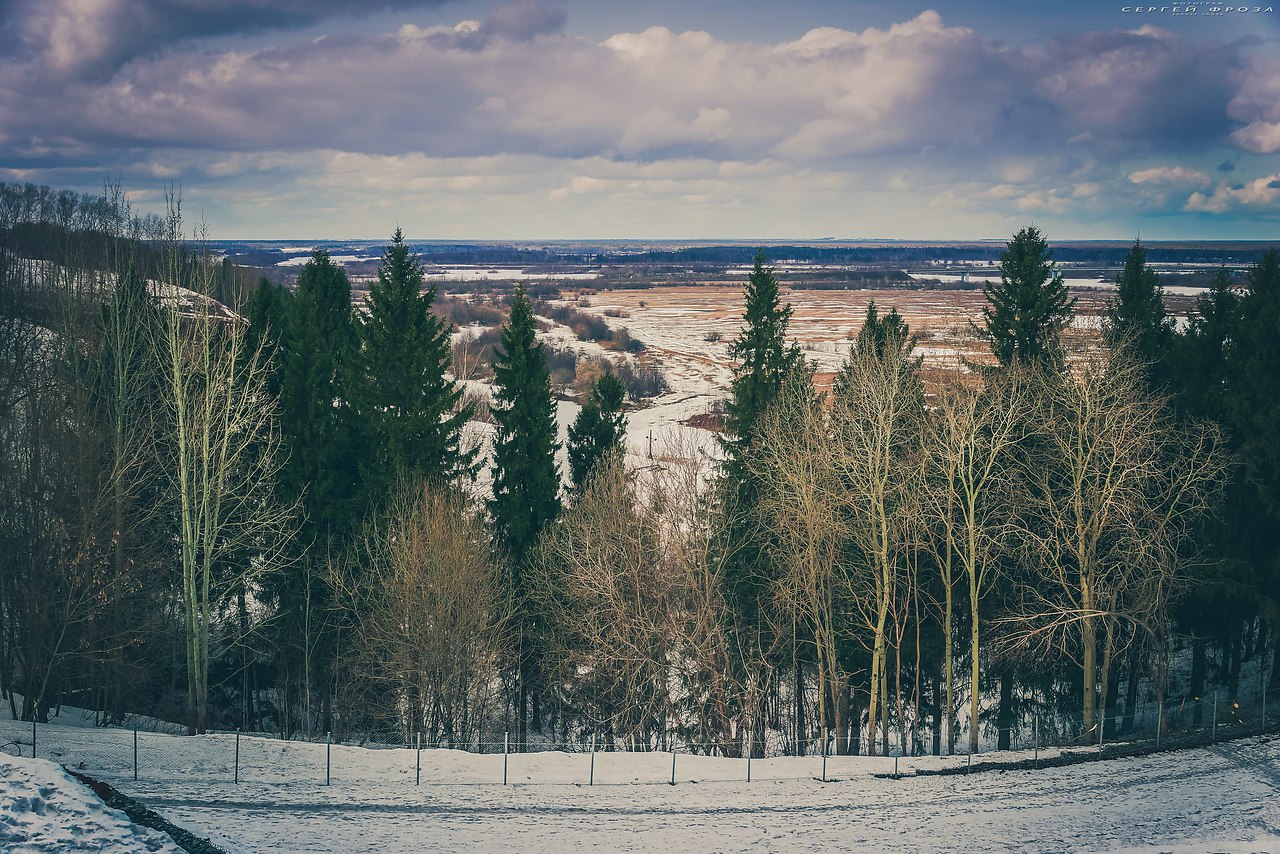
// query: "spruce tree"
[[316, 417], [268, 316], [1136, 317], [1027, 311], [1200, 353], [599, 429], [879, 333], [526, 480], [411, 406], [1253, 383], [763, 359], [887, 337]]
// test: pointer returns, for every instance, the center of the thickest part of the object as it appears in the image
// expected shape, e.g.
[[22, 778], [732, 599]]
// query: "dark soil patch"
[[140, 813]]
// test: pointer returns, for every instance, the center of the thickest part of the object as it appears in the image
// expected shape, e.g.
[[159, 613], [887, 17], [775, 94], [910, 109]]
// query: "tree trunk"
[[1131, 689], [1005, 715], [1089, 723], [1196, 686], [802, 730], [974, 694], [937, 712]]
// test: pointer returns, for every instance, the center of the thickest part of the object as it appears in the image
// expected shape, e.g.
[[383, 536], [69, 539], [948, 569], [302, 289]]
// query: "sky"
[[750, 119]]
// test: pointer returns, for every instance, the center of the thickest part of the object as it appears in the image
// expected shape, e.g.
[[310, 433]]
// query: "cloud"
[[1170, 175], [941, 114], [1258, 137], [1145, 86], [522, 20], [1260, 195], [94, 38], [486, 87], [1257, 106]]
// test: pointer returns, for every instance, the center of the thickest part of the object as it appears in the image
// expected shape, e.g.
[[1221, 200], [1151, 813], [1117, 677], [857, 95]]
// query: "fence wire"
[[123, 755]]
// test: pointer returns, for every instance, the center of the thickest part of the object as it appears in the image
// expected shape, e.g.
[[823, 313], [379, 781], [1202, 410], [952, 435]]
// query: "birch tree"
[[973, 433], [222, 460], [1116, 486], [877, 415]]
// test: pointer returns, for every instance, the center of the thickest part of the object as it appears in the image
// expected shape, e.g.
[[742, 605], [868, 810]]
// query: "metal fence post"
[[824, 754], [237, 776], [33, 734], [1102, 731], [969, 767], [506, 748], [328, 746], [1035, 731], [675, 748], [895, 767], [417, 762], [751, 748]]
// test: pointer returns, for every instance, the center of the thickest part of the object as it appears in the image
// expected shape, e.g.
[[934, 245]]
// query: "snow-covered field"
[[44, 809], [1223, 798]]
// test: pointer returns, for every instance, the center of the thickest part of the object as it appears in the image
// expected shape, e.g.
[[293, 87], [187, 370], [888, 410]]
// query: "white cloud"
[[1161, 175], [1258, 137], [1261, 195]]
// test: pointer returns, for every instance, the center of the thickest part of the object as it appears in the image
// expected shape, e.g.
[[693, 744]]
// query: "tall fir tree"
[[763, 360], [316, 417], [1136, 317], [599, 429], [1027, 311], [268, 315], [1253, 419], [412, 408], [1199, 353], [526, 479], [880, 333]]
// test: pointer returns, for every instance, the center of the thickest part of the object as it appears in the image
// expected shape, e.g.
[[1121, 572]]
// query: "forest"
[[242, 506]]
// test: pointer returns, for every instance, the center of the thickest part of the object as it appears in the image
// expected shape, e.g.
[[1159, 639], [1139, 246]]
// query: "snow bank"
[[43, 809]]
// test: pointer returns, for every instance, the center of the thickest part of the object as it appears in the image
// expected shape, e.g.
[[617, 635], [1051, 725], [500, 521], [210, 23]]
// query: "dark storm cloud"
[[1146, 86]]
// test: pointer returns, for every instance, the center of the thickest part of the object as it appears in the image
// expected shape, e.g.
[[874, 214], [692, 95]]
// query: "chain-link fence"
[[123, 755]]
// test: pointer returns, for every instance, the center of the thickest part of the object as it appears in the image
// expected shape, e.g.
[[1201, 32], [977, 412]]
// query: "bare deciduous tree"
[[430, 616], [1115, 487], [973, 433]]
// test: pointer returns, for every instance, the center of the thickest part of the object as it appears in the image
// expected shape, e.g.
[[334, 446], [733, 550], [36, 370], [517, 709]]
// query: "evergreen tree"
[[599, 429], [763, 360], [268, 315], [1253, 371], [1027, 311], [526, 480], [1136, 317], [879, 333], [887, 337], [1200, 353], [412, 407], [316, 417], [1253, 422]]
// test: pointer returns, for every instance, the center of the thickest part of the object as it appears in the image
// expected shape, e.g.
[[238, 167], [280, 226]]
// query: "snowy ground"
[[43, 809], [1223, 798]]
